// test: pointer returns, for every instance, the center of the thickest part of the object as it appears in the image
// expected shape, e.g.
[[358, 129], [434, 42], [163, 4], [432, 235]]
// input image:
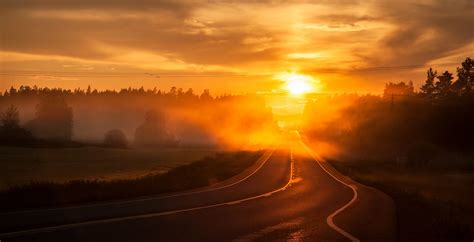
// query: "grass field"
[[22, 165], [201, 173], [432, 204]]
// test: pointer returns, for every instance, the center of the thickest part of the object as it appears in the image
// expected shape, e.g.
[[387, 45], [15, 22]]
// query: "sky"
[[230, 46]]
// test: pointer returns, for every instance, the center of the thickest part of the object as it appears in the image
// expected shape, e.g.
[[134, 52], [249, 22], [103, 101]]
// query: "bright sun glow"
[[297, 84]]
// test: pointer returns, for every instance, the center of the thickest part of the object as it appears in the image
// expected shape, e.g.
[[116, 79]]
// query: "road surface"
[[289, 194]]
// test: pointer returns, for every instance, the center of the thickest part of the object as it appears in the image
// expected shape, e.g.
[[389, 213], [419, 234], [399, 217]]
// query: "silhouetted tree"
[[12, 91], [115, 138], [89, 91], [54, 119], [429, 87], [173, 92], [10, 118], [463, 85], [190, 92], [10, 131], [398, 89], [206, 95], [153, 132], [443, 85], [180, 93]]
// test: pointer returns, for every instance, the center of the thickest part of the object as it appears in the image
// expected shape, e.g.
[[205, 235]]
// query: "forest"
[[402, 125], [33, 116]]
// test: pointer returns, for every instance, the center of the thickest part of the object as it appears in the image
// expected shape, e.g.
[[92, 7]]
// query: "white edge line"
[[265, 156], [103, 221], [330, 218]]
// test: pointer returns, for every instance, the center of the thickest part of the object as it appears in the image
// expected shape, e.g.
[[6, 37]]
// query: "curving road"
[[289, 194]]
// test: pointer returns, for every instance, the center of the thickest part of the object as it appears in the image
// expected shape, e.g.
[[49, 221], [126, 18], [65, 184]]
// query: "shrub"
[[115, 138]]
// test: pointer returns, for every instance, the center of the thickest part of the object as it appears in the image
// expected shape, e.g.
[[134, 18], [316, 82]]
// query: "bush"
[[115, 138]]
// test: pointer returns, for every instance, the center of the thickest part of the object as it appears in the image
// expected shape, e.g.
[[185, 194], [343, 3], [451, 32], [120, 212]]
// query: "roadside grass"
[[433, 204], [20, 165], [203, 172]]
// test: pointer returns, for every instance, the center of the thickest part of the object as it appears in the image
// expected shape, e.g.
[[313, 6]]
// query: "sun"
[[297, 84]]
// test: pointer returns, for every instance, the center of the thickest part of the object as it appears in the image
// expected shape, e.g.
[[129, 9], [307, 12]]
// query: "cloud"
[[63, 30], [423, 31], [171, 5], [342, 37]]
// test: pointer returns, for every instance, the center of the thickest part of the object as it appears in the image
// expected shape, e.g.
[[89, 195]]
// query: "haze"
[[236, 120]]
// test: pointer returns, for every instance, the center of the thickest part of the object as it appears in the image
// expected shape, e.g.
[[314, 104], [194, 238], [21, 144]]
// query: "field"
[[432, 204], [22, 165], [201, 173]]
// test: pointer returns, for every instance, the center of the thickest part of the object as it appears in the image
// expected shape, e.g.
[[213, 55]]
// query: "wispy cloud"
[[339, 37]]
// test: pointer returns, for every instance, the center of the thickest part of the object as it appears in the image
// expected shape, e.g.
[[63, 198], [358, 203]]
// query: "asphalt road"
[[289, 194]]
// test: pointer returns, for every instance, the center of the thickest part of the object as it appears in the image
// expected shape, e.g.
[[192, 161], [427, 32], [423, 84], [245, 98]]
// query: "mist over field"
[[191, 119]]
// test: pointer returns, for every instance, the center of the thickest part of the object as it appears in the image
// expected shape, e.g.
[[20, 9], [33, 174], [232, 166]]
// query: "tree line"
[[53, 125], [166, 117], [174, 92], [403, 124], [438, 86]]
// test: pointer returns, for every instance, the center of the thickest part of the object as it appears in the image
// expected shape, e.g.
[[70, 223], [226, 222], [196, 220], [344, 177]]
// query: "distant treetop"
[[176, 93], [445, 87]]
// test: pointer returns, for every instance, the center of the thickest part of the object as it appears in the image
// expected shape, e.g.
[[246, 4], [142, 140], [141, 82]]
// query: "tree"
[[189, 92], [173, 92], [10, 131], [180, 93], [398, 89], [153, 132], [115, 138], [443, 85], [12, 91], [89, 91], [463, 85], [429, 87], [206, 95], [53, 121], [10, 118]]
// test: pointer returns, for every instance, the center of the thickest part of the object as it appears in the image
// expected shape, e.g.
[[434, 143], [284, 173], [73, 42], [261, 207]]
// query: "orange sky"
[[230, 46]]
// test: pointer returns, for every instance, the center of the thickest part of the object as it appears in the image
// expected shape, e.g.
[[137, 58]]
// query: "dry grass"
[[203, 172], [22, 165], [432, 204]]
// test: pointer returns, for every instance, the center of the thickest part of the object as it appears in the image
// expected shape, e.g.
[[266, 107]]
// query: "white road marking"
[[265, 158], [103, 221], [330, 218]]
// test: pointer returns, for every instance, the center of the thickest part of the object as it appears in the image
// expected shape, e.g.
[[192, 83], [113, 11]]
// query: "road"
[[289, 194]]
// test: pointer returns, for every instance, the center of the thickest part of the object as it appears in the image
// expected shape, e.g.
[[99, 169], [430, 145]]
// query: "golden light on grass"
[[297, 84]]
